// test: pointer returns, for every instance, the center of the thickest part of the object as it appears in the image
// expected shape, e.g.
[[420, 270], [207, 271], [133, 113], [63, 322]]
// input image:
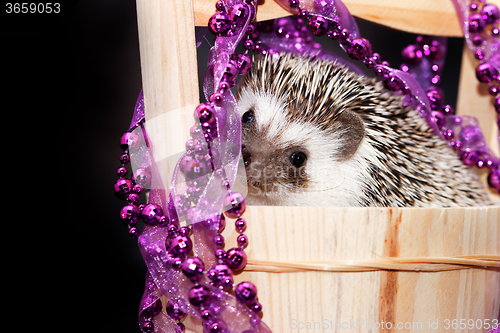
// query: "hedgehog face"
[[291, 162]]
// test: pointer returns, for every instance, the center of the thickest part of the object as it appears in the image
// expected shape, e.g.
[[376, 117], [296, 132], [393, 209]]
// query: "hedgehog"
[[315, 133]]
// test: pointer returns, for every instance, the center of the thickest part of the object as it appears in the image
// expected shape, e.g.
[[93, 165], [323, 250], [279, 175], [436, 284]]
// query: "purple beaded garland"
[[245, 292], [198, 295], [236, 259], [193, 267], [151, 214], [180, 246], [219, 23], [318, 25], [234, 205]]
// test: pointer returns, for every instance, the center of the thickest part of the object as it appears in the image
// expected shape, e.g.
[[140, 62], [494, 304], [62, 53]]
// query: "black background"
[[70, 85]]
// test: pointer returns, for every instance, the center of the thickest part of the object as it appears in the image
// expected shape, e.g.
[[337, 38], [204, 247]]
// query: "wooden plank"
[[169, 76], [433, 17], [312, 234]]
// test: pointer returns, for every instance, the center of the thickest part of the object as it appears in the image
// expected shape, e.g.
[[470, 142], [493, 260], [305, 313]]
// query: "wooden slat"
[[169, 76], [315, 234], [433, 17]]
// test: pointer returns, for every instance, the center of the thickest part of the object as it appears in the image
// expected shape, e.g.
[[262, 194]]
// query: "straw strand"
[[415, 264]]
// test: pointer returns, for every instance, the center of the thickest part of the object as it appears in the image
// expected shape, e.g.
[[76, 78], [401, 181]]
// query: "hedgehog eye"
[[298, 159], [248, 117]]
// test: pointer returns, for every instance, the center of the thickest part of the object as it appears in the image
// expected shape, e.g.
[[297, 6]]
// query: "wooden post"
[[169, 76]]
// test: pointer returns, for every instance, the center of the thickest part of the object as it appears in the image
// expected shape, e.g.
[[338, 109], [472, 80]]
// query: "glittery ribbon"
[[162, 279], [490, 46]]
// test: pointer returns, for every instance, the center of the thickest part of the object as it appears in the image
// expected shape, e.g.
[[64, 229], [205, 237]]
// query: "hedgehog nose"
[[247, 157]]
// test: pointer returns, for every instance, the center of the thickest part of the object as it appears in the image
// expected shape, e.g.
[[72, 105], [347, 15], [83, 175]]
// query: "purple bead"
[[473, 6], [133, 232], [198, 295], [490, 13], [479, 54], [360, 48], [174, 310], [231, 70], [219, 274], [243, 62], [318, 25], [182, 327], [206, 314], [449, 134], [248, 44], [122, 188], [238, 13], [153, 310], [129, 140], [245, 292], [152, 213], [125, 158], [130, 214], [393, 82], [219, 241], [193, 168], [205, 113], [448, 110], [234, 205], [412, 54], [494, 179], [220, 254], [256, 307], [476, 23], [133, 198], [477, 40], [435, 80], [148, 327], [304, 14], [217, 327], [180, 246], [294, 3], [494, 90], [436, 99], [142, 177], [485, 72], [495, 31], [236, 259], [470, 158], [185, 231], [219, 23], [122, 172], [242, 240], [216, 99], [192, 268], [240, 225], [496, 103]]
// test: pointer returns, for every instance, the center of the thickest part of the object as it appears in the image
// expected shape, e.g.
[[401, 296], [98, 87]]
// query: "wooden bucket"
[[352, 269]]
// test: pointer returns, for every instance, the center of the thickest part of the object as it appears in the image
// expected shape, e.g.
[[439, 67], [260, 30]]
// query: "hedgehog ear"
[[352, 130]]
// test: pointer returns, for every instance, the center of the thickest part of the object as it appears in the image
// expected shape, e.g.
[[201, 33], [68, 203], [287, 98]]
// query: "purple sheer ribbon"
[[490, 47], [162, 279]]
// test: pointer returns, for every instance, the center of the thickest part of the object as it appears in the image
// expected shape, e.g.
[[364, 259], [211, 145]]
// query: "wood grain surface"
[[432, 17]]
